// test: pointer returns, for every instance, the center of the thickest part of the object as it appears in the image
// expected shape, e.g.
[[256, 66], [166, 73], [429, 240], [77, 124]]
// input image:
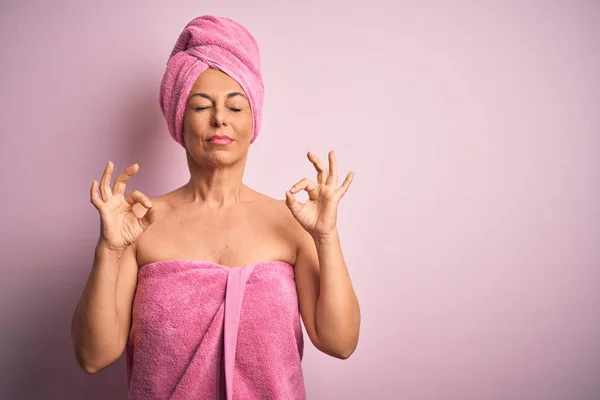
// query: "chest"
[[234, 239]]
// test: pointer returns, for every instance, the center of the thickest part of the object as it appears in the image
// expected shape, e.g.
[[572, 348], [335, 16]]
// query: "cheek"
[[194, 122], [245, 123], [191, 127], [191, 117]]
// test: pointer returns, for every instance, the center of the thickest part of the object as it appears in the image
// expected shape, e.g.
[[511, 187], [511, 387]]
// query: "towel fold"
[[218, 43], [205, 331]]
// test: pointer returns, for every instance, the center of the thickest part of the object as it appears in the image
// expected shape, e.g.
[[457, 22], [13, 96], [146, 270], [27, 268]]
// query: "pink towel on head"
[[218, 43], [205, 331]]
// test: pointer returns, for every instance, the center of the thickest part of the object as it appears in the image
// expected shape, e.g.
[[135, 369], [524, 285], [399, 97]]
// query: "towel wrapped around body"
[[201, 330]]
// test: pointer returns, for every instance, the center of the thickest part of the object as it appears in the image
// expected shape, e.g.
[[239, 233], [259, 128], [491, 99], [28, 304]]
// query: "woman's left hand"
[[318, 215]]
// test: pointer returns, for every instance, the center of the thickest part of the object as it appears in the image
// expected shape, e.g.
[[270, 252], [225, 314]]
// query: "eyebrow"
[[230, 95]]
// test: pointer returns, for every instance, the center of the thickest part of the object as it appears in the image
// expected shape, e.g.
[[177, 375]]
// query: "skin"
[[215, 217]]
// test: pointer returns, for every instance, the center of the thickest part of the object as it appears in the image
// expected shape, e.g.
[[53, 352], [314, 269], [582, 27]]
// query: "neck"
[[215, 185]]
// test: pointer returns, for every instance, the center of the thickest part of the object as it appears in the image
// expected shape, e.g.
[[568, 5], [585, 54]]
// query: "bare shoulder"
[[279, 214], [273, 208]]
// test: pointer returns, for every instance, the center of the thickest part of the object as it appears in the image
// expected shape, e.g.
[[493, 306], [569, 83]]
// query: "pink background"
[[471, 230]]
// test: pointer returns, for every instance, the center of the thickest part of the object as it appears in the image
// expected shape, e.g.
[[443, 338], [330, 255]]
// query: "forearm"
[[95, 324], [337, 313]]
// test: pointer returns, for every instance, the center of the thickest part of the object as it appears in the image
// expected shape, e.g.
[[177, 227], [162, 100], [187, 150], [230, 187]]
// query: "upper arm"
[[126, 284], [307, 276]]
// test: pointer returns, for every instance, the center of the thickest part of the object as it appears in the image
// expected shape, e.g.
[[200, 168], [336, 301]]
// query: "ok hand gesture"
[[318, 216], [119, 225]]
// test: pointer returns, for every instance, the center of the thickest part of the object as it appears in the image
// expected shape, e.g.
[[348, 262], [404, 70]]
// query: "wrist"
[[105, 250], [326, 238]]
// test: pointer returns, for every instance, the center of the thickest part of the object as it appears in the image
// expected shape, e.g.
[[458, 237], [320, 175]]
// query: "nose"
[[218, 117]]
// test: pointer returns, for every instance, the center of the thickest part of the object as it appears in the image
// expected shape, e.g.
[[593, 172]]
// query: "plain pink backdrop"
[[471, 230]]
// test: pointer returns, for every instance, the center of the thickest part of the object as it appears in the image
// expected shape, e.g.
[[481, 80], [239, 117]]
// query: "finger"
[[293, 204], [121, 181], [149, 218], [344, 188], [332, 178], [94, 196], [138, 197], [321, 171], [303, 184], [105, 181]]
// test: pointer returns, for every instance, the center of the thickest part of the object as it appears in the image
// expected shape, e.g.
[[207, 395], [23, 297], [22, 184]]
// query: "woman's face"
[[217, 123]]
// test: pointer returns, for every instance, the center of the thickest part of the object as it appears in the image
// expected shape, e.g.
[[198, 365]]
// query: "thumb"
[[149, 218], [292, 203]]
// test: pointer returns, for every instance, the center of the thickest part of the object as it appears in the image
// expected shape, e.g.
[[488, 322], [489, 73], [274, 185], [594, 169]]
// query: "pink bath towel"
[[205, 331], [215, 42]]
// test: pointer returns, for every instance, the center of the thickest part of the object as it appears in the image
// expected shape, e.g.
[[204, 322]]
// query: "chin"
[[222, 157], [219, 156]]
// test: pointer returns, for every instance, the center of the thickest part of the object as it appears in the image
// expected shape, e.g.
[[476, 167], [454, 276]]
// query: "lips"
[[220, 139]]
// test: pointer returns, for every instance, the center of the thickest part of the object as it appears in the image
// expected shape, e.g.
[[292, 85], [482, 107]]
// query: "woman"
[[204, 286]]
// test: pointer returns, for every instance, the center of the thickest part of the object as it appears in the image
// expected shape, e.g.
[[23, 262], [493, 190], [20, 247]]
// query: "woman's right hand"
[[119, 225]]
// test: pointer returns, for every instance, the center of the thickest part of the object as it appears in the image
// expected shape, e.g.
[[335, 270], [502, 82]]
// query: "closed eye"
[[234, 109]]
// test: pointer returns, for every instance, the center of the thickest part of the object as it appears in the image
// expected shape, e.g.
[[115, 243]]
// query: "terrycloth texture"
[[215, 42], [205, 331]]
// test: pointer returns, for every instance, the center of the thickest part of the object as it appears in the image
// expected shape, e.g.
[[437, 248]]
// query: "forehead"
[[215, 81]]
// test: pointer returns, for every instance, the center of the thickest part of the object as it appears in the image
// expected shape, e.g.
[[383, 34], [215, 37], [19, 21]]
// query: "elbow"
[[91, 365], [89, 369], [86, 366], [344, 353], [342, 346], [339, 343], [340, 353], [338, 350], [82, 357], [338, 346]]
